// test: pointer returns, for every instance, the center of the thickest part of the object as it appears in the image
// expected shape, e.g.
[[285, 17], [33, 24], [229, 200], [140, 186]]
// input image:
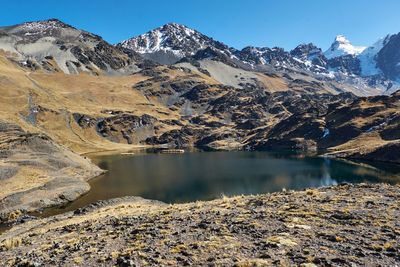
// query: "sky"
[[238, 23]]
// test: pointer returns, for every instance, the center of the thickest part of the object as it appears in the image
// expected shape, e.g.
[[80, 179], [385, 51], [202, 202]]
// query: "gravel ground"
[[345, 225]]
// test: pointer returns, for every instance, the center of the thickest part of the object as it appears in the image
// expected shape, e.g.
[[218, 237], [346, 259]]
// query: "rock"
[[126, 127]]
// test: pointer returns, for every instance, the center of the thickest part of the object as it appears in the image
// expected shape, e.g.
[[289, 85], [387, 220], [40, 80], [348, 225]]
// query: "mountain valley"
[[66, 93]]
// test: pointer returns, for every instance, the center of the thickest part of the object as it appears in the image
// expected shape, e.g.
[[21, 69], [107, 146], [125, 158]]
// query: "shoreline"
[[92, 155], [266, 229]]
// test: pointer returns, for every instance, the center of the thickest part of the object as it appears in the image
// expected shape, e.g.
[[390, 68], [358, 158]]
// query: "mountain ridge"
[[342, 61], [76, 51]]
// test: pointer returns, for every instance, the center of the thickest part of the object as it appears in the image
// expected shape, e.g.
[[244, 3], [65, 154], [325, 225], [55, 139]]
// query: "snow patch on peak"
[[342, 39], [341, 47], [41, 28], [42, 25], [172, 38], [368, 57]]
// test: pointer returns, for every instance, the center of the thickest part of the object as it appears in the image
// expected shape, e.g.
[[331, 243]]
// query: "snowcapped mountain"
[[388, 58], [52, 45], [369, 56], [56, 46], [341, 47], [378, 64], [171, 42], [311, 58]]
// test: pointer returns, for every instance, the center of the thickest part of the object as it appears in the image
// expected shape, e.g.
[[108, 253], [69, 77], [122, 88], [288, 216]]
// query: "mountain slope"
[[328, 226], [55, 46], [369, 56], [388, 58]]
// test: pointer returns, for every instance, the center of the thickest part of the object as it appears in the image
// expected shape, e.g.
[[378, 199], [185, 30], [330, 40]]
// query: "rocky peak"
[[43, 27], [309, 53], [264, 55], [303, 51], [172, 26], [341, 46], [172, 39]]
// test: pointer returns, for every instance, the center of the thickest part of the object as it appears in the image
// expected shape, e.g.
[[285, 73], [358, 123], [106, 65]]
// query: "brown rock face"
[[126, 128]]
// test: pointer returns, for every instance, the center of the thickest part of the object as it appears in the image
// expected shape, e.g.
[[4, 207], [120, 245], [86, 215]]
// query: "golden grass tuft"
[[11, 243], [78, 260]]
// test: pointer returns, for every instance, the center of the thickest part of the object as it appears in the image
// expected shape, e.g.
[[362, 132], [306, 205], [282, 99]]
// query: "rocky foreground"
[[346, 225]]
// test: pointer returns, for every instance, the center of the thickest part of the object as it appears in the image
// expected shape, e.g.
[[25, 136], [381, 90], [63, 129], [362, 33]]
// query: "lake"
[[176, 178]]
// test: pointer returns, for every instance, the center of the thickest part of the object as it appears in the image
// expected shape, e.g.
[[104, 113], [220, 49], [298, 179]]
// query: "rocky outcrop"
[[309, 52], [84, 121], [349, 64], [126, 128]]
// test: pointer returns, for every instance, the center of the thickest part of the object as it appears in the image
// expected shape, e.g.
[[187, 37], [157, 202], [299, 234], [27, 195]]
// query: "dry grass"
[[65, 94], [11, 243], [240, 231]]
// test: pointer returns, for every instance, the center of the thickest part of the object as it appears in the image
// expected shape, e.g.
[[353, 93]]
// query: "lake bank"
[[200, 176], [344, 224]]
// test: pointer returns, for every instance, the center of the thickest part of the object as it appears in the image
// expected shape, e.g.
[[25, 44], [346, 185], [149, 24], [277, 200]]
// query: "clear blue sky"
[[238, 23]]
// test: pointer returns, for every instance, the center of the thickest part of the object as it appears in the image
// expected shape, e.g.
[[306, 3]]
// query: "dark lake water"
[[174, 178]]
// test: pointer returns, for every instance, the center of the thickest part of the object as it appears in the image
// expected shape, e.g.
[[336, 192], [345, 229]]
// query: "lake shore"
[[339, 225]]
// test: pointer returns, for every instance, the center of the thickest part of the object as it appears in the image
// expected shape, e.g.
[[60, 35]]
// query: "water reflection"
[[326, 178], [174, 178]]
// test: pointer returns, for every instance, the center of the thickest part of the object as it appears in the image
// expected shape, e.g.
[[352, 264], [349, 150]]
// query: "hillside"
[[55, 46], [340, 226]]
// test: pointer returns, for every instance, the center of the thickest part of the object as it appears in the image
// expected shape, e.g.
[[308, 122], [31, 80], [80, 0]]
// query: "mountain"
[[365, 68], [341, 47], [378, 64], [368, 57], [388, 58], [53, 45], [309, 53], [169, 43], [275, 56], [214, 97]]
